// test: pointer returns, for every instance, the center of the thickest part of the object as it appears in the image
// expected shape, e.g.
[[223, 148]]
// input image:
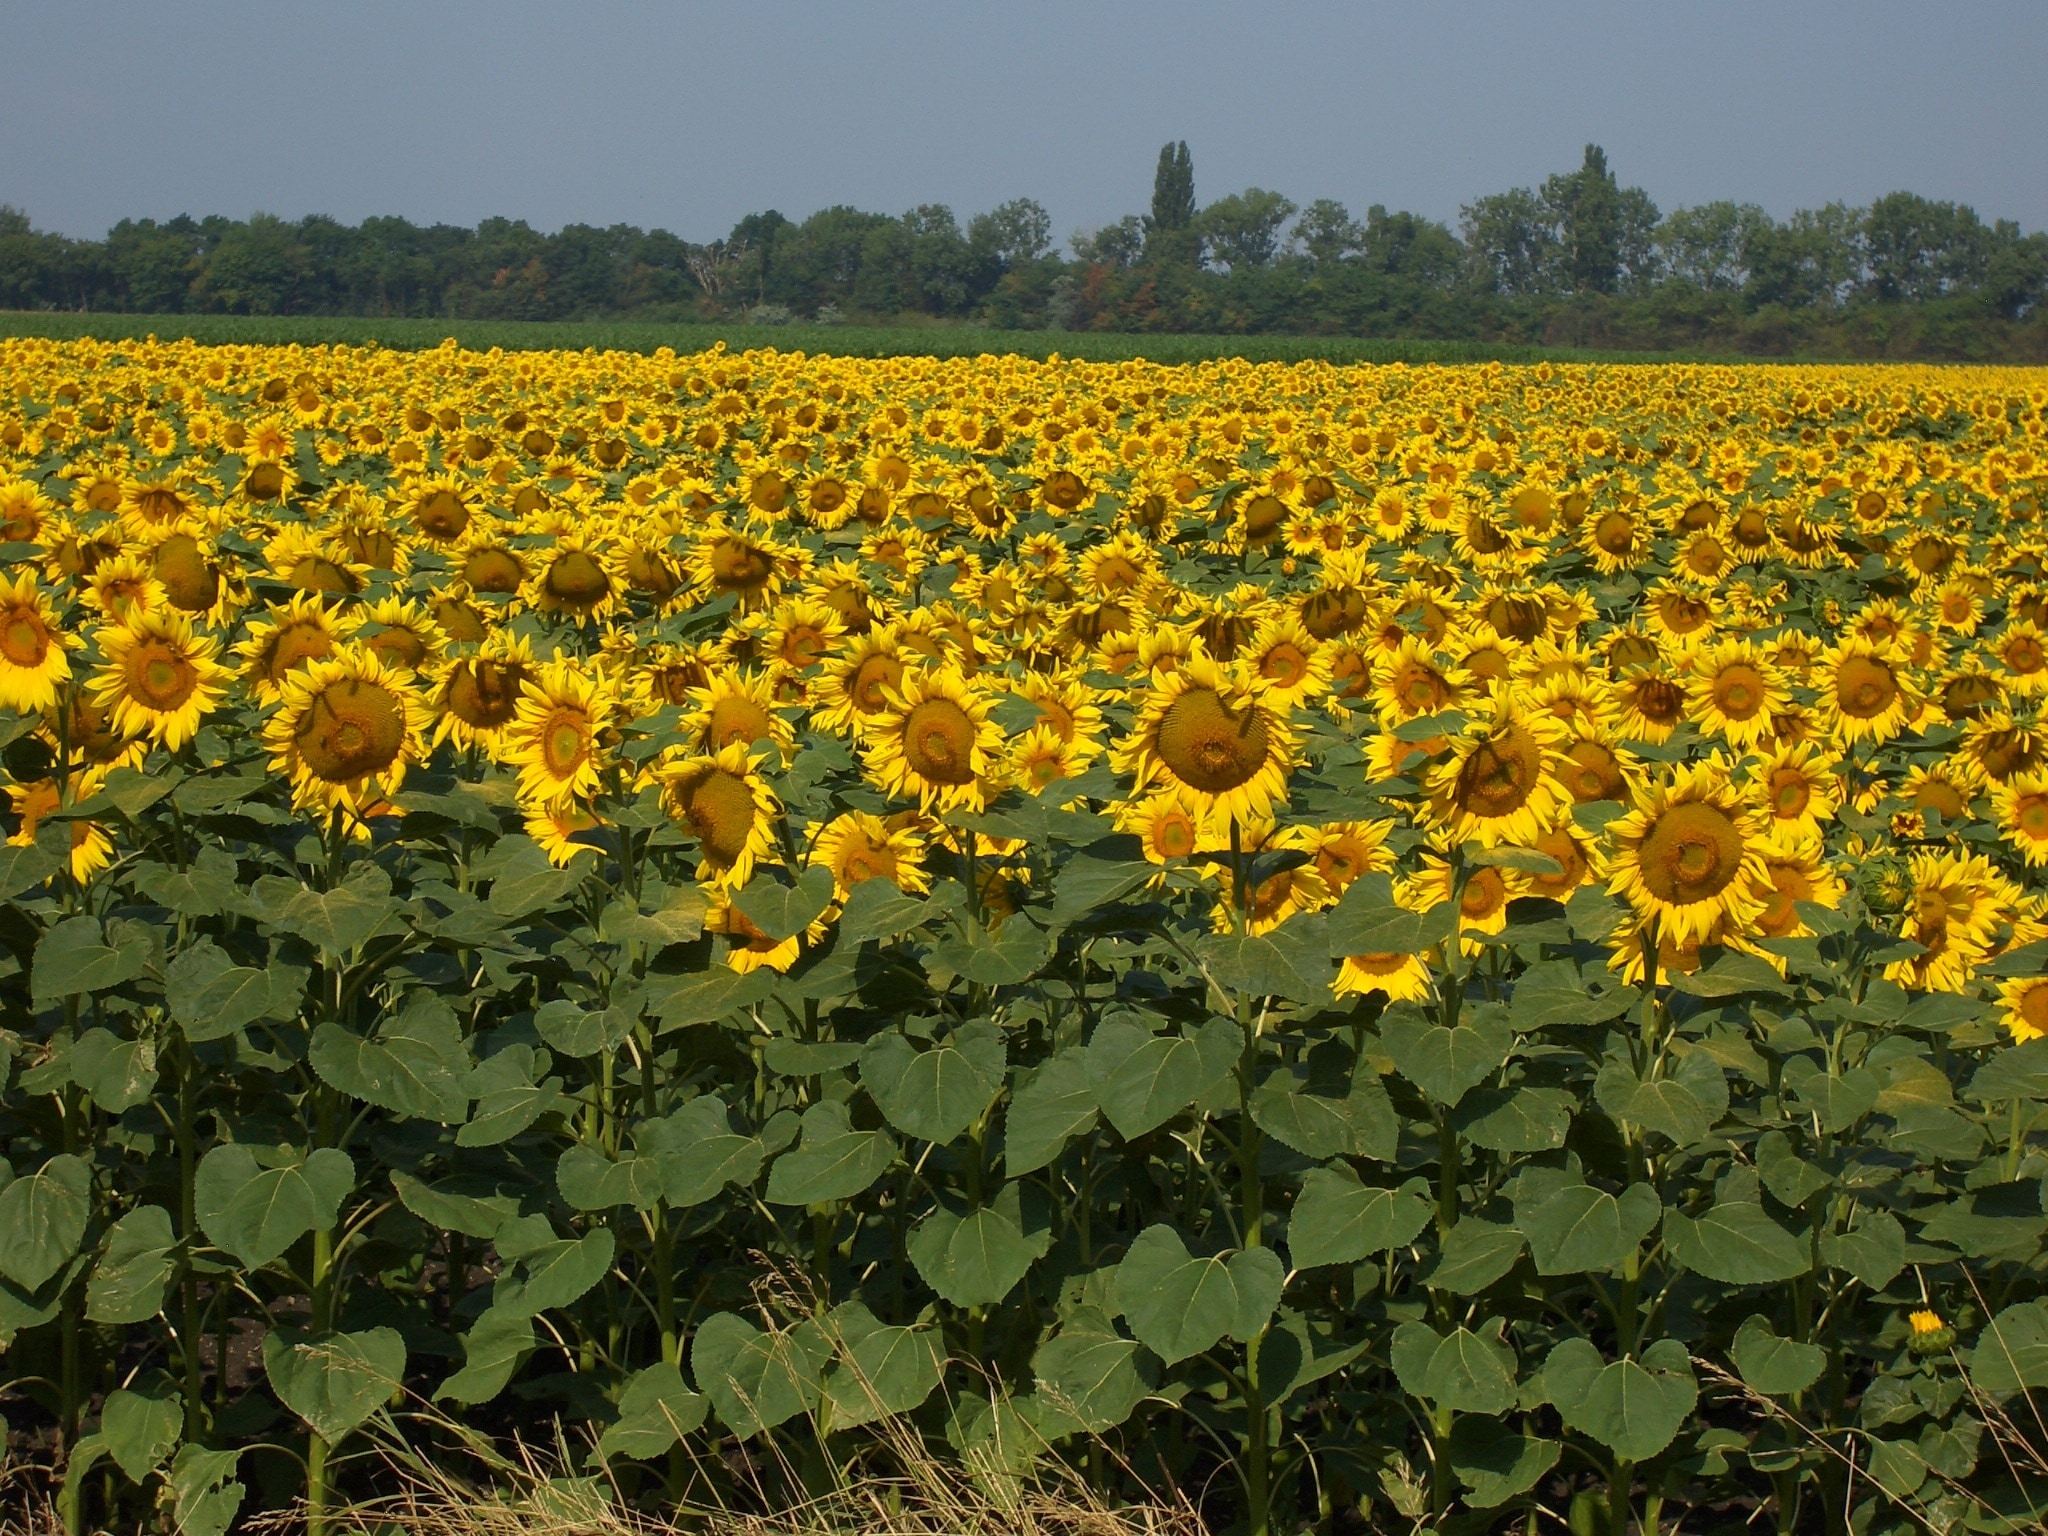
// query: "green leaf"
[[876, 909], [1737, 1243], [590, 1181], [1473, 1255], [2012, 1351], [878, 1370], [472, 1205], [1785, 1174], [556, 1273], [1464, 1371], [936, 1094], [493, 1349], [76, 957], [758, 1380], [118, 1074], [34, 863], [508, 1100], [705, 997], [1445, 1062], [1633, 1407], [1051, 1107], [417, 1066], [1179, 1305], [699, 1153], [783, 911], [1874, 1250], [254, 1211], [1142, 1080], [1839, 1101], [1578, 1228], [128, 1283], [211, 997], [336, 1380], [1897, 1467], [212, 886], [1088, 884], [1012, 953], [42, 1218], [1093, 1374], [1338, 1219], [204, 1501], [1732, 974], [1557, 992], [976, 1257], [1494, 1463], [583, 1032], [521, 877], [1524, 1118], [656, 1410], [833, 1162], [1773, 1366], [1368, 921], [1291, 962], [678, 919], [141, 1428], [342, 920]]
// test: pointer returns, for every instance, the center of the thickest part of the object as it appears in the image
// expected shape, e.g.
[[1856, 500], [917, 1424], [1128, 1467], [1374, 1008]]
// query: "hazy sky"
[[688, 116]]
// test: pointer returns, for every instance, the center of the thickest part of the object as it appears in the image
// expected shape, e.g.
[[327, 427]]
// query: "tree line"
[[1580, 259]]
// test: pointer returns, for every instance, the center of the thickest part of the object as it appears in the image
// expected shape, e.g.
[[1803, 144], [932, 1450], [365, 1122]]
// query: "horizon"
[[448, 130]]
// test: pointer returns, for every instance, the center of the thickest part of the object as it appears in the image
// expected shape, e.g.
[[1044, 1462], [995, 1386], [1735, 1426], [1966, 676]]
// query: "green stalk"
[[1251, 1206], [317, 1487], [192, 1325]]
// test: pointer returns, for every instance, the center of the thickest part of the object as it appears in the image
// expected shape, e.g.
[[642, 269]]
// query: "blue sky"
[[690, 115]]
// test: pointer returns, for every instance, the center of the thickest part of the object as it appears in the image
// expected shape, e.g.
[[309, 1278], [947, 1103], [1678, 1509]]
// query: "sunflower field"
[[1390, 948]]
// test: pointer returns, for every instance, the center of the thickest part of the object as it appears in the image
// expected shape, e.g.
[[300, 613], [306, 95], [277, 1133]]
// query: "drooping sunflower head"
[[34, 647], [857, 847], [1498, 784], [855, 684], [402, 634], [935, 741], [1953, 915], [721, 800], [1217, 742], [345, 730], [1689, 854], [556, 736], [477, 697], [158, 678]]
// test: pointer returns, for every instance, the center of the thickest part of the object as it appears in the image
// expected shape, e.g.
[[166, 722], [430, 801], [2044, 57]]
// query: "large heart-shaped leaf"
[[1633, 1407], [935, 1094], [1142, 1080], [334, 1381], [42, 1218], [656, 1409], [1338, 1219], [1179, 1305]]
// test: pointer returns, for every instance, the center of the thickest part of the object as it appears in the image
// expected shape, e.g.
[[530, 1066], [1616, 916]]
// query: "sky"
[[688, 116]]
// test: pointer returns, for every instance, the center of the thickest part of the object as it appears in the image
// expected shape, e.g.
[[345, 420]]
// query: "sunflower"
[[736, 564], [1220, 744], [727, 806], [1287, 664], [2023, 1005], [934, 741], [2022, 651], [2003, 747], [304, 630], [476, 697], [854, 686], [124, 585], [801, 632], [748, 948], [1273, 900], [1411, 683], [1498, 783], [1344, 850], [159, 679], [1482, 900], [1578, 863], [1689, 853], [305, 558], [1952, 915], [858, 846], [1795, 870], [402, 633], [556, 827], [1864, 692], [1039, 759], [34, 648], [92, 850], [1403, 978], [734, 709], [345, 730], [188, 569], [555, 738], [571, 582], [2021, 806], [440, 508], [1733, 692], [1067, 708], [1650, 702], [1167, 827]]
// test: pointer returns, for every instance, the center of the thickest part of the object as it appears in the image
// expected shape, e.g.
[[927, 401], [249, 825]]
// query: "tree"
[[1511, 241], [1706, 246], [1603, 233], [1012, 233], [1408, 245], [1811, 259], [1327, 232], [1916, 249], [2016, 270], [1169, 231], [1243, 229], [1119, 245]]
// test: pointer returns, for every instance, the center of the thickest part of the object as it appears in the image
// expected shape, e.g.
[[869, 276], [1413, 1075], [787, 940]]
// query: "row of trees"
[[1580, 250]]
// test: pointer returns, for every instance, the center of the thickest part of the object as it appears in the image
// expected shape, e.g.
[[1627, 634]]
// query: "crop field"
[[1378, 948]]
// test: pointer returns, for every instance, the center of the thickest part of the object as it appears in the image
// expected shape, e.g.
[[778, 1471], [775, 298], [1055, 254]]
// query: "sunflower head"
[[1690, 854], [721, 799], [935, 741], [345, 730], [1219, 744]]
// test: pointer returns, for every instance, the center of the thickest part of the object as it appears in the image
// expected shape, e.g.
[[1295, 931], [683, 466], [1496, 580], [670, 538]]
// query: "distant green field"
[[843, 340]]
